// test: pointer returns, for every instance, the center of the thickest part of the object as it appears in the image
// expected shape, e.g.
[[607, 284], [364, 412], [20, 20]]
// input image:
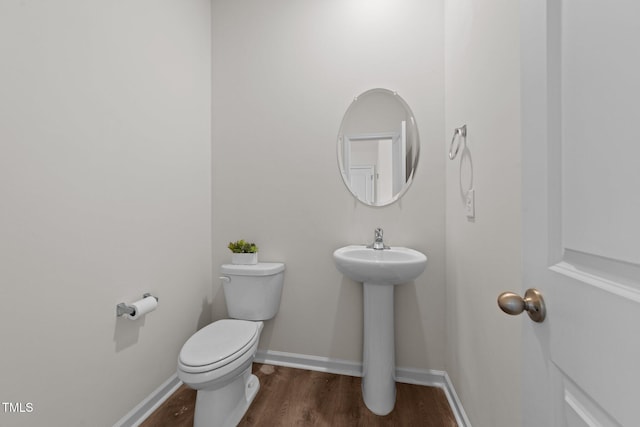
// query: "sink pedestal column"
[[378, 362]]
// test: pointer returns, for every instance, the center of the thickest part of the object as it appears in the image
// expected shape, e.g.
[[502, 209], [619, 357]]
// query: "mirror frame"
[[342, 157]]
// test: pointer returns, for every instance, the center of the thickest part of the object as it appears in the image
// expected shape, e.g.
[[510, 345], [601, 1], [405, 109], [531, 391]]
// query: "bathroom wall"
[[284, 73], [104, 195], [483, 255]]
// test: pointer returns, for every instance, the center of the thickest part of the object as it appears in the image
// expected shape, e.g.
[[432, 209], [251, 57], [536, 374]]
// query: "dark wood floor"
[[297, 397]]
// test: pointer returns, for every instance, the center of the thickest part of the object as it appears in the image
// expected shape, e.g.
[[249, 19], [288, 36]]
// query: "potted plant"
[[243, 252]]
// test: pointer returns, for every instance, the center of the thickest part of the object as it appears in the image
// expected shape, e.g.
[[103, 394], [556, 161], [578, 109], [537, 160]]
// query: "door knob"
[[532, 302]]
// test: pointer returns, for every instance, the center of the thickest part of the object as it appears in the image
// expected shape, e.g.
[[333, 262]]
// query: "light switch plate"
[[470, 204]]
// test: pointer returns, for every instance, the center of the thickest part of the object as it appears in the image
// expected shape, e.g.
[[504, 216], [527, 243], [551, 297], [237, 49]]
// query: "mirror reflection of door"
[[363, 182], [383, 156]]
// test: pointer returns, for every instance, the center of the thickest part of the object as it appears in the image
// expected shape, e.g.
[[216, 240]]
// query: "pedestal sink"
[[379, 271]]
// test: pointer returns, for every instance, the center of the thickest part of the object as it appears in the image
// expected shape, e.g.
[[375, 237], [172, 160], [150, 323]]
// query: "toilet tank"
[[252, 292]]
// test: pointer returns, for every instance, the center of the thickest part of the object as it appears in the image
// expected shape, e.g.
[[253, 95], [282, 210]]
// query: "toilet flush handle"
[[225, 279]]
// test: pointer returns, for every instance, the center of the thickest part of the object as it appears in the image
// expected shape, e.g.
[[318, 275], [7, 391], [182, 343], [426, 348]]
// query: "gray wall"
[[104, 195], [284, 73], [484, 256]]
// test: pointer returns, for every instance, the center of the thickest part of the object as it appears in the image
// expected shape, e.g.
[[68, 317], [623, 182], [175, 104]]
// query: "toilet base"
[[225, 407]]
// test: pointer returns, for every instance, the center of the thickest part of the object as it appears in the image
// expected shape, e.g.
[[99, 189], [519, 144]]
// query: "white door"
[[581, 211], [363, 182]]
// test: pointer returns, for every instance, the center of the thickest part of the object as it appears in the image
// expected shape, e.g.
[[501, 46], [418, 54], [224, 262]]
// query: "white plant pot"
[[244, 258]]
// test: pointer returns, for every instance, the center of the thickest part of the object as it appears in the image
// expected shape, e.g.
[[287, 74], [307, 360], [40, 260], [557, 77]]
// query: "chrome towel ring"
[[458, 134]]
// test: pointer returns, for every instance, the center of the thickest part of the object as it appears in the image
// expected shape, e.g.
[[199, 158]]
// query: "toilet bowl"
[[216, 361]]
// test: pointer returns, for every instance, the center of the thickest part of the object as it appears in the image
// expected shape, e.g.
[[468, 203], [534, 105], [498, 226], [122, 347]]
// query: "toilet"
[[216, 361]]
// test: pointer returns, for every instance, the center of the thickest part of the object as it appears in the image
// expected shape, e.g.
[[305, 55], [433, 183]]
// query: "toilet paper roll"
[[142, 307]]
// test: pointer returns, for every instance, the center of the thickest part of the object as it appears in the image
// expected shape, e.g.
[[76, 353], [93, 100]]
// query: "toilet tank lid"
[[259, 269]]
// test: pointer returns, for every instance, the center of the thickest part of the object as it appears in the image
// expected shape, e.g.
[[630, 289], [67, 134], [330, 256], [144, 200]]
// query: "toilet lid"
[[223, 339]]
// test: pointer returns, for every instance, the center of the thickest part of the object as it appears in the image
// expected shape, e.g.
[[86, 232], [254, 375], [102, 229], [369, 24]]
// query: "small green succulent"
[[242, 247]]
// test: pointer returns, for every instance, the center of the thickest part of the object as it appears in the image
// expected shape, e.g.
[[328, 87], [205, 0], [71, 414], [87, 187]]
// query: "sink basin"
[[392, 266]]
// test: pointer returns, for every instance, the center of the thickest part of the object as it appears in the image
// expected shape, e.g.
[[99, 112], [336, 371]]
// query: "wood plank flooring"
[[297, 397]]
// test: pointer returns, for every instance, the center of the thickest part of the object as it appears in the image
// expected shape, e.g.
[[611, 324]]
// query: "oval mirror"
[[378, 147]]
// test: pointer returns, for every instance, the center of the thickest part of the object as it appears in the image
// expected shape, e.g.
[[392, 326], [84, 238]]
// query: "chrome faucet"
[[378, 243]]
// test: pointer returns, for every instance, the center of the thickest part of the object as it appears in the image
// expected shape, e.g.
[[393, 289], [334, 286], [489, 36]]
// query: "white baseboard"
[[455, 403], [428, 377], [311, 363], [144, 409]]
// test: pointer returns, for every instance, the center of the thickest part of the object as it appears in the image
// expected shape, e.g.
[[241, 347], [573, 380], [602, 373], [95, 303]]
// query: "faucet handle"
[[378, 243], [378, 233]]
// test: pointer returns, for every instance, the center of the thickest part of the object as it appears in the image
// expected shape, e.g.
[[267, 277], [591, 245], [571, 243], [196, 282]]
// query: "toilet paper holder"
[[122, 308]]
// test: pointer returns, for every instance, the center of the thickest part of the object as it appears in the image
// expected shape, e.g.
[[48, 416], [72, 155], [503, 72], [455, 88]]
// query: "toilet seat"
[[217, 345]]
